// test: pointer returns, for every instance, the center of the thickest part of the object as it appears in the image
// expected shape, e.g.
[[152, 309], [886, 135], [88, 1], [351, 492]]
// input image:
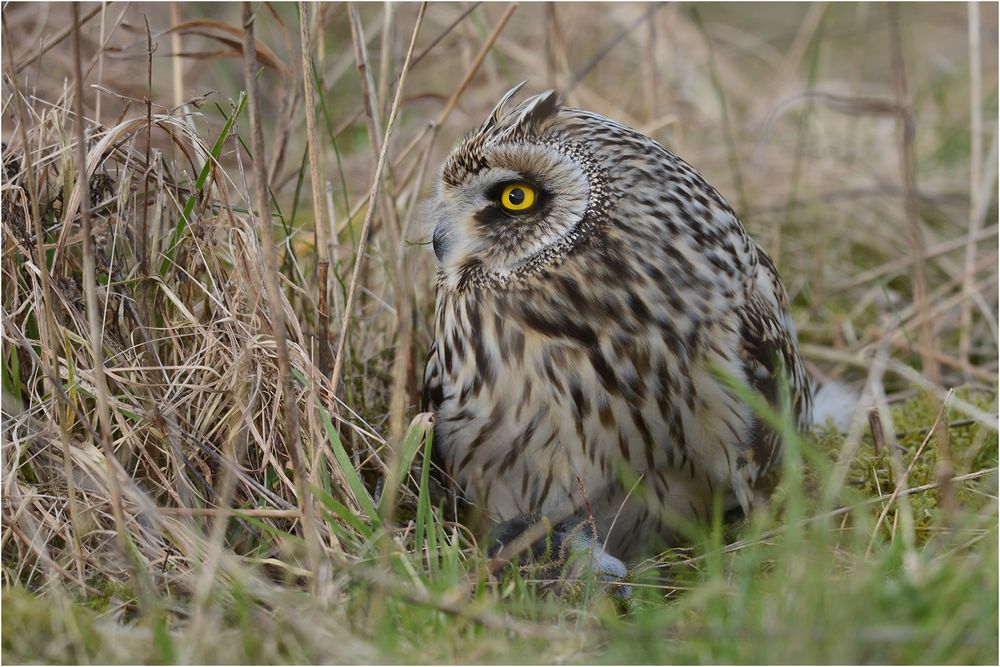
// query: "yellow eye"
[[518, 197]]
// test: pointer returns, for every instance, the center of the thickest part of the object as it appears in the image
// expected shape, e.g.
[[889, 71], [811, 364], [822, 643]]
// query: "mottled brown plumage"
[[587, 344]]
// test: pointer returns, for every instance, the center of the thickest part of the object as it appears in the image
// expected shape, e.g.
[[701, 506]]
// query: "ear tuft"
[[497, 114], [538, 110], [535, 113]]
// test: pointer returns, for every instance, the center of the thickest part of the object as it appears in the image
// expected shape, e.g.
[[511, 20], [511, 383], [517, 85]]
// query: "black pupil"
[[516, 196]]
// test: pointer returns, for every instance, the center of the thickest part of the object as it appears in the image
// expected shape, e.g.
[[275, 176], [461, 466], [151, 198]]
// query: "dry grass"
[[211, 350]]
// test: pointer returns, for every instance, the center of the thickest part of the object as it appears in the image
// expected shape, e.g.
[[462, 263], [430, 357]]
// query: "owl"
[[601, 319]]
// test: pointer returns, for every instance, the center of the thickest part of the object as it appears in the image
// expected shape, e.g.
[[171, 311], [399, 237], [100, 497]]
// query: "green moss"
[[54, 630], [973, 448]]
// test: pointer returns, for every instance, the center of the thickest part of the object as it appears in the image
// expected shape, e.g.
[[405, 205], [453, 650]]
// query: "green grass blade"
[[199, 184], [425, 527], [410, 447], [342, 512], [12, 375], [347, 469]]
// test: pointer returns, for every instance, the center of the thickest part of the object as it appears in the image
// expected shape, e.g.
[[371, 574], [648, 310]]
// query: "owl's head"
[[518, 193]]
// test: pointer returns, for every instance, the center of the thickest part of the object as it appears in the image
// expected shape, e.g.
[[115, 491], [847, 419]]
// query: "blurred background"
[[797, 113]]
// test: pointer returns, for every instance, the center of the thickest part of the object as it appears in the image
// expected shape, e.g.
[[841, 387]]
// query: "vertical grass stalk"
[[307, 24], [46, 322], [975, 176], [90, 290], [274, 296], [926, 336]]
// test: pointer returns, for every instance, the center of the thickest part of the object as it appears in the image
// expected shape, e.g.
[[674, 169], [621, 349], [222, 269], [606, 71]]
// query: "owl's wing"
[[443, 486], [433, 391], [770, 357]]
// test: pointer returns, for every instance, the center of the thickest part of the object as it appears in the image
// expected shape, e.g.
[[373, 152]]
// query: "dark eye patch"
[[491, 216]]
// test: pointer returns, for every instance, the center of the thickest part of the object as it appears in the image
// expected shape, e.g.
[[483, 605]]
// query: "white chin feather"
[[834, 405]]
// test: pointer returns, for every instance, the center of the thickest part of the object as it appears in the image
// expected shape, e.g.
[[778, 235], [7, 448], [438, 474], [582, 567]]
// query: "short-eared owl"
[[598, 307]]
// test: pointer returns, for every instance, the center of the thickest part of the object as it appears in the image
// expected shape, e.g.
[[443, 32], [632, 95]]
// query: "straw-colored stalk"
[[307, 25], [46, 323], [926, 335], [975, 177], [94, 319], [275, 309], [402, 295]]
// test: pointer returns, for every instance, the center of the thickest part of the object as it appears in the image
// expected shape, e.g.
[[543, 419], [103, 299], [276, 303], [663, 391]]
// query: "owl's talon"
[[571, 549], [587, 555]]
